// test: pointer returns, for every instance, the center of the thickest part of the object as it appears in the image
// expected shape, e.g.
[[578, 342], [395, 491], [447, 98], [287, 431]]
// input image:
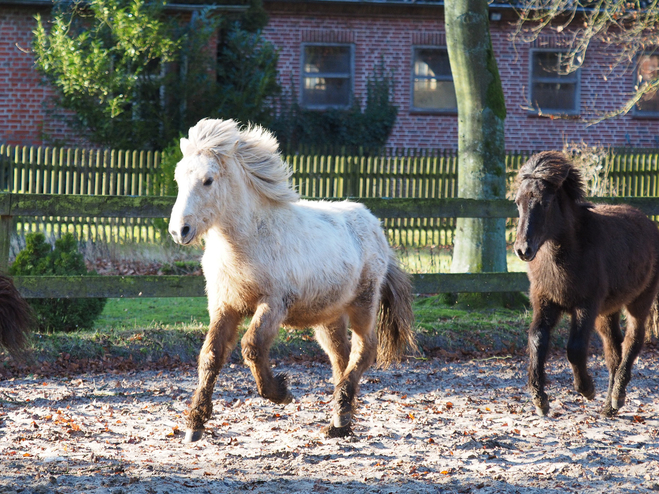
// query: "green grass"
[[135, 313], [146, 330]]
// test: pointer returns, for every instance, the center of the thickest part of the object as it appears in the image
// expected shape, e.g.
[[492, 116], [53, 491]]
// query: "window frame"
[[577, 90], [413, 76], [635, 111], [304, 75]]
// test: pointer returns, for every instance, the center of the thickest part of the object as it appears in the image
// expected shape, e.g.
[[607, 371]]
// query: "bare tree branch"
[[624, 29]]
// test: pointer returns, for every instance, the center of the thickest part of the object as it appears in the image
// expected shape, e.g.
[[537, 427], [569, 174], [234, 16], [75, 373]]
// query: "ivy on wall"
[[352, 128]]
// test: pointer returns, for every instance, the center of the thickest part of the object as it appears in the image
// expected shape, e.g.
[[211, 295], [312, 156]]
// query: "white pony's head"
[[220, 165]]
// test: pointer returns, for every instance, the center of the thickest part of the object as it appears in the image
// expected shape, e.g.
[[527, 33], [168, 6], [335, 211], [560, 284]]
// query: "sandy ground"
[[425, 427]]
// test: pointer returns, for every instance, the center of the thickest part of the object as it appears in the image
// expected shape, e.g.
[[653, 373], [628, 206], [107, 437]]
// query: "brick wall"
[[376, 35], [393, 37], [24, 118]]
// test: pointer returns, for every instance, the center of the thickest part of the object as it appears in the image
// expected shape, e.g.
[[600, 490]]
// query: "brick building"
[[328, 48]]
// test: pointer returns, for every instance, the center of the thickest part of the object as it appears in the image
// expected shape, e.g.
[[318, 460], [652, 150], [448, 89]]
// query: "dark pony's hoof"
[[608, 411], [586, 389], [192, 436], [331, 431], [541, 406], [280, 394]]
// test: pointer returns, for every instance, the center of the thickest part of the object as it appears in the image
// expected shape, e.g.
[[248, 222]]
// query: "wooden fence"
[[408, 173], [191, 286]]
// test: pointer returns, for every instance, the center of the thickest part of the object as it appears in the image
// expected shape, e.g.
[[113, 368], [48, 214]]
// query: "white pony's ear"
[[184, 144]]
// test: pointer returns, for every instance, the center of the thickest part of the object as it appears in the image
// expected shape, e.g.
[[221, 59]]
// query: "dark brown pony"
[[15, 317], [589, 261]]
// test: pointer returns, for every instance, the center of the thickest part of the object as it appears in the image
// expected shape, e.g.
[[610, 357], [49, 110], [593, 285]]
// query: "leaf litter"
[[427, 427]]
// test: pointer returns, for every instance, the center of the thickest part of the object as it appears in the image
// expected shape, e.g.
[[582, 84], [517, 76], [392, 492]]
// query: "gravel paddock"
[[426, 426]]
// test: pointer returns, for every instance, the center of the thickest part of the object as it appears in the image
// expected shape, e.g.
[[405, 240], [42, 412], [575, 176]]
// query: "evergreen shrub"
[[38, 258]]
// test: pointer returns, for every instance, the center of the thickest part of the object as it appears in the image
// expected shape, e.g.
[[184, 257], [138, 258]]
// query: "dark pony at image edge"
[[589, 261], [15, 317]]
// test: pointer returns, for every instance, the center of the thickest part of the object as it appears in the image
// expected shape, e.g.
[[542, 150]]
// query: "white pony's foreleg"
[[220, 341], [256, 347]]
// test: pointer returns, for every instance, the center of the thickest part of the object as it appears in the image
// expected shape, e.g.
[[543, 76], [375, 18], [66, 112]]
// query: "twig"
[[492, 358]]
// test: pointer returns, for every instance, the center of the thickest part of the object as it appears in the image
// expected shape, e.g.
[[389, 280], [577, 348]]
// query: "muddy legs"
[[545, 317], [348, 370], [220, 340], [255, 348], [583, 321], [621, 353]]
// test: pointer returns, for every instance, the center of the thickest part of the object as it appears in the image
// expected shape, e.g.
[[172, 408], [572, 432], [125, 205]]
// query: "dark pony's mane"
[[554, 168]]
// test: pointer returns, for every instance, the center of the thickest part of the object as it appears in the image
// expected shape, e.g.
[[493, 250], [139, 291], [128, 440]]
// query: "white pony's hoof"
[[193, 436]]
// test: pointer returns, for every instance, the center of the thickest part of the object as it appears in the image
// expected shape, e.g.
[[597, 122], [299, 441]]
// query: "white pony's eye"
[[208, 182]]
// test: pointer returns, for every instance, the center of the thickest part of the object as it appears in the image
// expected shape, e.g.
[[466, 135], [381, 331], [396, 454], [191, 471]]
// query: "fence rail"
[[191, 286], [426, 174]]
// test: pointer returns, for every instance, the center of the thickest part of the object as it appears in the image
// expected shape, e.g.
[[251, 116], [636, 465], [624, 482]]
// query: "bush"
[[354, 128], [60, 314]]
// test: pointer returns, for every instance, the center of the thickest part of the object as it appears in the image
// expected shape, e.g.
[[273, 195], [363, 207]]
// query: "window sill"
[[645, 116], [555, 115], [419, 111]]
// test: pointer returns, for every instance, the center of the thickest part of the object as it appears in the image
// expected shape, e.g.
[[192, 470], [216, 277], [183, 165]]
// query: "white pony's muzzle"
[[180, 228], [183, 235]]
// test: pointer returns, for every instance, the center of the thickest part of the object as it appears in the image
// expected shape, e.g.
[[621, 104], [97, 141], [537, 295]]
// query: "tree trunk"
[[480, 244]]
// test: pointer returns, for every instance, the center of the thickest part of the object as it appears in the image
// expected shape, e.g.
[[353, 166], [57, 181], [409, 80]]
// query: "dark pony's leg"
[[638, 312], [220, 340], [545, 316], [608, 328], [256, 346], [363, 318], [583, 322], [333, 338]]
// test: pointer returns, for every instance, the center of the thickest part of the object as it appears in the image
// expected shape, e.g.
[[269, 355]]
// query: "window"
[[327, 76], [432, 87], [550, 90], [647, 71]]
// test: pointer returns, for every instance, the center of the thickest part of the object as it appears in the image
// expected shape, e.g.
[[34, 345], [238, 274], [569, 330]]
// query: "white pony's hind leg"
[[333, 338], [363, 352], [255, 348]]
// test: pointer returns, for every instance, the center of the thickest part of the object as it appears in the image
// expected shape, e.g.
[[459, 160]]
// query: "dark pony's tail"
[[395, 332], [15, 317]]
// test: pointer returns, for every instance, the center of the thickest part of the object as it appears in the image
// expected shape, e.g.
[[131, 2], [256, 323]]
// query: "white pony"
[[284, 262]]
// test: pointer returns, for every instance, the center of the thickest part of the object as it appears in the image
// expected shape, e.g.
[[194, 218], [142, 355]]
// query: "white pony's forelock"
[[218, 136], [254, 148]]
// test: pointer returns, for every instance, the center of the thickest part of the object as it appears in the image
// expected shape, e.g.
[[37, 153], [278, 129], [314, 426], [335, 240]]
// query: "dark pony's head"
[[545, 180], [555, 169]]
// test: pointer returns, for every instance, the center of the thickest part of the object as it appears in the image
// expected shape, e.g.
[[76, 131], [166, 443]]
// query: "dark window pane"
[[554, 96], [326, 91], [548, 64], [432, 94], [431, 62], [648, 71], [327, 59], [649, 102]]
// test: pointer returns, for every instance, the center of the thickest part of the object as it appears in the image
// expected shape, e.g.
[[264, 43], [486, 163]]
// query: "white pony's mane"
[[253, 148]]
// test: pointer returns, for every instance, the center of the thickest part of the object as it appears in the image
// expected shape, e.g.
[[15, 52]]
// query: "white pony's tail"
[[395, 331]]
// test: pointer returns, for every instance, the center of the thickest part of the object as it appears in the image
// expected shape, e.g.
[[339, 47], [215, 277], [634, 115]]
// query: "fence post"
[[5, 237]]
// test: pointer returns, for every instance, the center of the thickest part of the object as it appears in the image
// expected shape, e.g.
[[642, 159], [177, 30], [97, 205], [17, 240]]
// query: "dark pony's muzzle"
[[525, 251]]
